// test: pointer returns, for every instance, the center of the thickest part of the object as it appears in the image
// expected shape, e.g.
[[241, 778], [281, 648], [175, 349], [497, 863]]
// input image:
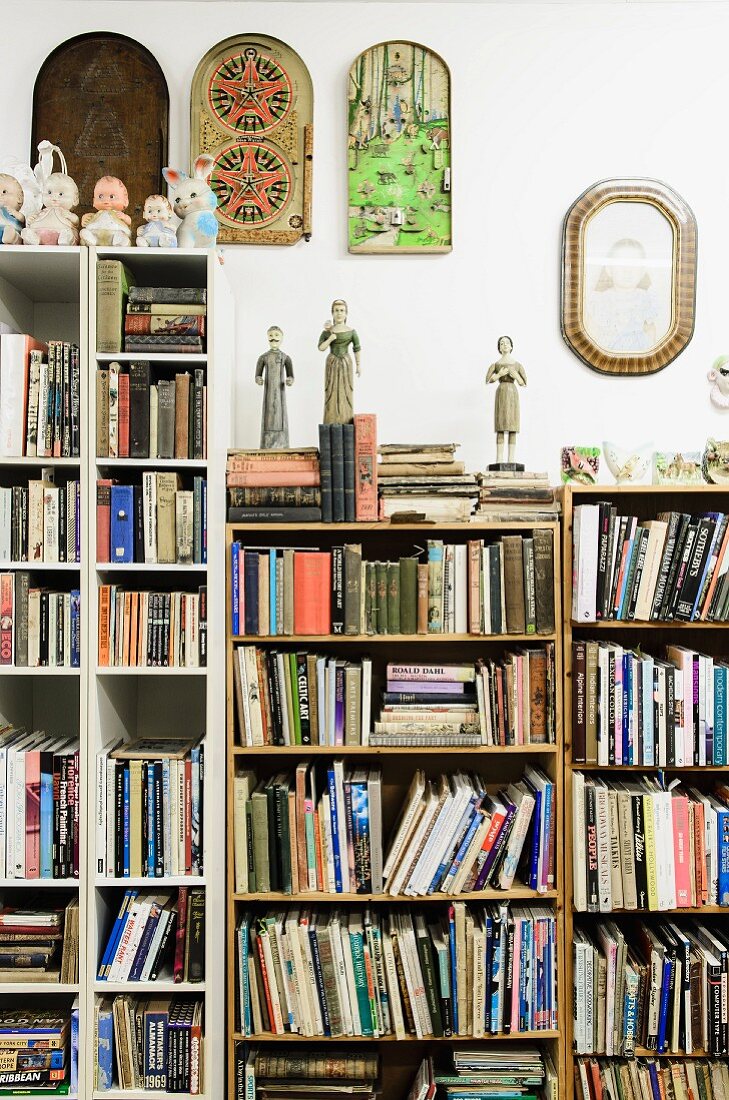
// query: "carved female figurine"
[[157, 231], [274, 371], [509, 374], [11, 219], [108, 224], [335, 339]]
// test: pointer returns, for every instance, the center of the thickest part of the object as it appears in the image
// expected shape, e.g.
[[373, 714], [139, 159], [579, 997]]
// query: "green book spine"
[[274, 865], [393, 597], [381, 624], [352, 589], [408, 595], [249, 847], [360, 981], [281, 795], [370, 623]]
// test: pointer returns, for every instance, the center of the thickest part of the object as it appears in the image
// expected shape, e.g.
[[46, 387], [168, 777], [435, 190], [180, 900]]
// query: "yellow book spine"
[[650, 851]]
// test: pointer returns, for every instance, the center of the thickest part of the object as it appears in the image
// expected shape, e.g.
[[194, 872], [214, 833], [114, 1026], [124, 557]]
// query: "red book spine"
[[7, 618], [103, 519], [147, 324], [681, 857], [264, 465], [312, 592], [271, 478], [365, 464], [179, 964], [32, 814], [123, 415]]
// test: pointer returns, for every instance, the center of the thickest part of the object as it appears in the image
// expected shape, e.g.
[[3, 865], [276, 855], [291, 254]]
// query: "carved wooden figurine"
[[11, 219], [195, 204], [336, 339], [274, 371], [509, 374], [157, 231], [55, 223], [108, 225]]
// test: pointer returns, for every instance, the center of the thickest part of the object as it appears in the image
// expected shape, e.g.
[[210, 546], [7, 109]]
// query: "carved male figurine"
[[274, 371]]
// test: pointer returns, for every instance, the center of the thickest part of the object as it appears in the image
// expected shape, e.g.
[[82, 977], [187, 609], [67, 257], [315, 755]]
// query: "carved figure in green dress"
[[336, 339], [509, 374], [274, 371]]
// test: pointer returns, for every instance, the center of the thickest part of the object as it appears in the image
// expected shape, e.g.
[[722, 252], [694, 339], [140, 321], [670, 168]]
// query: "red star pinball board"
[[252, 110]]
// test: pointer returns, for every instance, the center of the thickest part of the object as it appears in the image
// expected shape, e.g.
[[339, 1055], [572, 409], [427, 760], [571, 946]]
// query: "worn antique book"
[[168, 483], [113, 282], [182, 414], [365, 456], [544, 579], [139, 410], [514, 584]]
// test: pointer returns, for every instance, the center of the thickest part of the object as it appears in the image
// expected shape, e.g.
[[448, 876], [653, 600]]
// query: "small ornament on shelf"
[[677, 468], [108, 224], [55, 223], [11, 218], [335, 339], [627, 465], [719, 378], [274, 371], [194, 203], [157, 231], [715, 462], [509, 374], [580, 464]]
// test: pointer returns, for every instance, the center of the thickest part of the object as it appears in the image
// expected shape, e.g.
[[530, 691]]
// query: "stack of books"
[[149, 808], [39, 805], [41, 523], [138, 417], [156, 935], [511, 496], [631, 708], [639, 844], [40, 1051], [169, 319], [38, 627], [674, 567], [40, 942], [398, 973], [151, 1044], [152, 629], [656, 986], [156, 521], [485, 1074], [40, 411], [282, 486], [348, 463], [307, 831], [426, 480], [323, 1073], [650, 1078]]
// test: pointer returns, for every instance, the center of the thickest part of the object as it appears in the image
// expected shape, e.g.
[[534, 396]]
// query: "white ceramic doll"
[[157, 231], [11, 219], [55, 224], [108, 224]]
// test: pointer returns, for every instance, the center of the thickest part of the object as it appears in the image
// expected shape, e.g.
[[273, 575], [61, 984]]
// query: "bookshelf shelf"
[[39, 670], [388, 639], [151, 567], [143, 1094], [179, 464], [162, 985], [235, 530], [145, 670], [646, 914], [140, 881], [40, 883], [620, 624], [398, 750], [510, 1037], [159, 357], [8, 988], [33, 463], [520, 893]]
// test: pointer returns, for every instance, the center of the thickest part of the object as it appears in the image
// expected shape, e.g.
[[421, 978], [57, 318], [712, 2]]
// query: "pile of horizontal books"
[[650, 1078], [151, 1044], [322, 1073], [485, 1074], [154, 935], [40, 1051], [510, 496], [274, 486], [39, 942], [426, 480], [170, 319]]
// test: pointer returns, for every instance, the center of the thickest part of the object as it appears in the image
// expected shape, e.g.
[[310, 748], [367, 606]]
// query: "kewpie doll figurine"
[[55, 223], [157, 232], [11, 219], [108, 225]]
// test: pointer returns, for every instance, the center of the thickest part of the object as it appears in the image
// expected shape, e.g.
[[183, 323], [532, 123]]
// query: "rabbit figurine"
[[194, 203]]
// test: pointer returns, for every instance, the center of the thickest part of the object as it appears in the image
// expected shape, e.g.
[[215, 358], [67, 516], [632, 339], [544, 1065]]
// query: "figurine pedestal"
[[511, 467]]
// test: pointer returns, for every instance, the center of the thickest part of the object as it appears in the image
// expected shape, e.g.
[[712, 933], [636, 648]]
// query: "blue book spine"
[[46, 816], [628, 705], [662, 1045], [142, 951], [105, 1049], [545, 876], [204, 521], [435, 557], [335, 831], [235, 588], [536, 833], [250, 591], [272, 624], [150, 821], [496, 977], [454, 968], [647, 716], [717, 517], [722, 830], [458, 859], [624, 582], [116, 931], [126, 863], [720, 686], [450, 853], [524, 968], [360, 816], [243, 977], [122, 523], [75, 628], [155, 1049], [488, 926]]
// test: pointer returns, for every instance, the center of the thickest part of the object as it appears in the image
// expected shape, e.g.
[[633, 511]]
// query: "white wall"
[[547, 99]]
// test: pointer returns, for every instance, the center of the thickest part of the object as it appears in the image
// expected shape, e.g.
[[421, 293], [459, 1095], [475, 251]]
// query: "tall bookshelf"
[[381, 541], [125, 702], [706, 637], [43, 292]]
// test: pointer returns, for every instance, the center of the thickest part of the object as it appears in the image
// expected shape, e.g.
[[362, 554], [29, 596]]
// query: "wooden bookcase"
[[644, 502], [43, 292], [380, 541], [127, 702]]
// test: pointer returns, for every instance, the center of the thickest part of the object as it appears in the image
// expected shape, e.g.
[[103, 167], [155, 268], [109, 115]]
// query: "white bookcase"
[[44, 292], [127, 702]]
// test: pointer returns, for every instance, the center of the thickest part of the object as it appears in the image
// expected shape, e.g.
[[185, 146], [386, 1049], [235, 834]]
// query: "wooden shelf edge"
[[394, 750], [517, 893], [515, 1037], [399, 639]]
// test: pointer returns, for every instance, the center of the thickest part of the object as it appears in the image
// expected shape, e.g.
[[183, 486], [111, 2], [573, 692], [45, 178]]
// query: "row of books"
[[40, 941], [41, 388], [41, 522], [149, 808], [673, 567], [149, 1044], [39, 805], [656, 986], [631, 708], [487, 1073], [639, 844], [650, 1079], [137, 417], [283, 591], [425, 481], [39, 627], [373, 974], [156, 521], [39, 1051], [152, 629], [151, 930], [119, 300], [263, 1075]]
